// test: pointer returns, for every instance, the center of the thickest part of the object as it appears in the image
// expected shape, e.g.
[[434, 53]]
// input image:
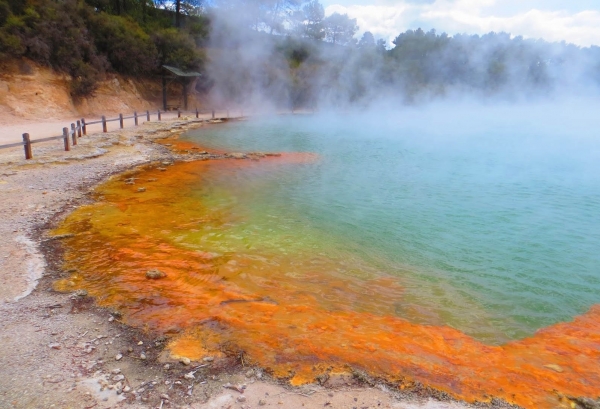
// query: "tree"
[[340, 29], [313, 16], [367, 40]]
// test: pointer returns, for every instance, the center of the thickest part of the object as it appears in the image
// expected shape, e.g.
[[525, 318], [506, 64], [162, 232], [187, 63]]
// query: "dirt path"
[[59, 351], [12, 129]]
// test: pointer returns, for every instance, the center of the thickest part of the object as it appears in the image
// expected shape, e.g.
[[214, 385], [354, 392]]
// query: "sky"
[[574, 21]]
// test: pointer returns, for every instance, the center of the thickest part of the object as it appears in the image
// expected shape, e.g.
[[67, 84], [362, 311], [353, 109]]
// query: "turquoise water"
[[488, 217]]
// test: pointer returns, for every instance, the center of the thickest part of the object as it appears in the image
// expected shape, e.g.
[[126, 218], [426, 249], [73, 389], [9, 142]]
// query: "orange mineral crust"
[[293, 313]]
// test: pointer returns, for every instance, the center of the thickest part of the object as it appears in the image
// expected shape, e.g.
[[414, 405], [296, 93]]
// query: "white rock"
[[118, 357]]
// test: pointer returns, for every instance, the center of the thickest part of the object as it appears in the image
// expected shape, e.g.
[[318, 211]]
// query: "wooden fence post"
[[178, 113], [148, 116], [104, 128], [159, 118], [121, 120], [83, 127], [66, 139], [28, 154], [78, 128], [135, 118], [213, 114], [197, 112], [73, 134]]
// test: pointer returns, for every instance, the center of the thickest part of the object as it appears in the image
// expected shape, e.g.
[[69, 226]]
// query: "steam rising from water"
[[259, 70]]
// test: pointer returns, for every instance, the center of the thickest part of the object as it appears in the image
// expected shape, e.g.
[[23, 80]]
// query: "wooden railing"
[[79, 128]]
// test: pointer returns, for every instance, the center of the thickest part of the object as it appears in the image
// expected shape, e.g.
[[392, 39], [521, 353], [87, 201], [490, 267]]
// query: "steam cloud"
[[255, 61]]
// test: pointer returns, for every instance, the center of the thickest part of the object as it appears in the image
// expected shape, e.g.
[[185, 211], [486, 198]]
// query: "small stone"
[[167, 367], [141, 343], [155, 274], [208, 359], [111, 318], [189, 375], [54, 345], [118, 357], [262, 402], [141, 189], [117, 378], [142, 356], [126, 389], [554, 367], [250, 373], [130, 349], [165, 396], [116, 371], [241, 399], [185, 360]]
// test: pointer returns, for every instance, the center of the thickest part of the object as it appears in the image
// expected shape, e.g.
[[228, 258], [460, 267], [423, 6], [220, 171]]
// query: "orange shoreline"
[[291, 333]]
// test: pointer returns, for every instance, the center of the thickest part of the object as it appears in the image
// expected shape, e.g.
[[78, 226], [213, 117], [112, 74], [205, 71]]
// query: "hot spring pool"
[[491, 227], [457, 248]]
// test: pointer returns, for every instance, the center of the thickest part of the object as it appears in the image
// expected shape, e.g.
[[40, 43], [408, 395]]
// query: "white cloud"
[[386, 21]]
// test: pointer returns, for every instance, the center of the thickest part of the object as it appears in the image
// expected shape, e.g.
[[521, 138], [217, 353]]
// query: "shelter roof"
[[181, 73]]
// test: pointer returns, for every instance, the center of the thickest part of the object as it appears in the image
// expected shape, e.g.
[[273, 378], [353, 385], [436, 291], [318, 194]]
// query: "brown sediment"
[[294, 324]]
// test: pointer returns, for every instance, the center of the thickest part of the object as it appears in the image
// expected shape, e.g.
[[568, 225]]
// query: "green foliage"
[[125, 44], [177, 49], [5, 12], [88, 39]]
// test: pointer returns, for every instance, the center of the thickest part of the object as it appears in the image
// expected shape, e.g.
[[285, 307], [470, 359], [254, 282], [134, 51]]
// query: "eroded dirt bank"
[[59, 350]]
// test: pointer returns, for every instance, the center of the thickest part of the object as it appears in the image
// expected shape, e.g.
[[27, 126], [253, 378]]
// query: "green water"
[[489, 218]]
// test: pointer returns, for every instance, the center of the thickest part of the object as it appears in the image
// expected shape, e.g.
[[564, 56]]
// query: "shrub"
[[177, 48], [126, 46]]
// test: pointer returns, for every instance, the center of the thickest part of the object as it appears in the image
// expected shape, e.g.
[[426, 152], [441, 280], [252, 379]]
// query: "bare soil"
[[60, 351]]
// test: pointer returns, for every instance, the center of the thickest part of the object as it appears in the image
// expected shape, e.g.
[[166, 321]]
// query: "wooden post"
[[178, 113], [148, 116], [196, 112], [213, 114], [104, 128], [135, 118], [73, 134], [78, 128], [66, 139], [121, 120], [28, 154], [164, 89], [83, 127], [159, 118]]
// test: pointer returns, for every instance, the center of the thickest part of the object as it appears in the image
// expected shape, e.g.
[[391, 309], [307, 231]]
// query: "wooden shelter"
[[175, 74]]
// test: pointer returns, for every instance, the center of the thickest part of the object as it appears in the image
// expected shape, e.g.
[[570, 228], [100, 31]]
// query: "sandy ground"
[[60, 351]]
